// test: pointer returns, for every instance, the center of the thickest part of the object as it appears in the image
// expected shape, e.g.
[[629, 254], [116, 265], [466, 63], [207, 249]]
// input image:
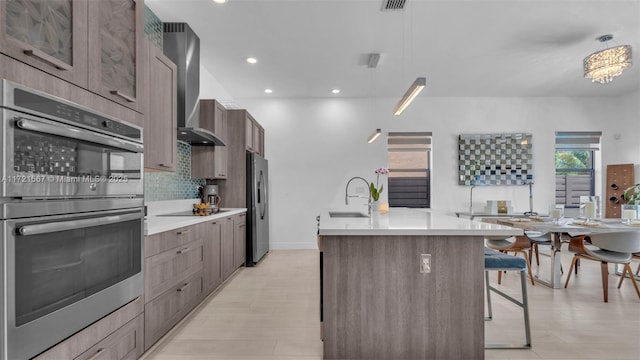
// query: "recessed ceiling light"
[[335, 91], [268, 91], [183, 132], [251, 60], [220, 1]]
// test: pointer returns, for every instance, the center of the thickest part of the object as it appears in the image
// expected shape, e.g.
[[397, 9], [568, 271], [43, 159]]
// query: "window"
[[575, 153], [409, 169]]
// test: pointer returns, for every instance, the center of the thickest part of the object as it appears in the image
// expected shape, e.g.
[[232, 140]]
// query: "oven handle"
[[27, 230], [68, 131]]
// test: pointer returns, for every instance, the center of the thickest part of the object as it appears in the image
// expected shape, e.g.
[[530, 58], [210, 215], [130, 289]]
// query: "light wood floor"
[[271, 312]]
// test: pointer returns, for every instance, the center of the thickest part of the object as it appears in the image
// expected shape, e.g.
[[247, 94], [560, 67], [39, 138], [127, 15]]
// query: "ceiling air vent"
[[393, 5]]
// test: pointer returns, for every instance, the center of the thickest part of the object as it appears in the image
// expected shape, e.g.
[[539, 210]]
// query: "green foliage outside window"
[[567, 160]]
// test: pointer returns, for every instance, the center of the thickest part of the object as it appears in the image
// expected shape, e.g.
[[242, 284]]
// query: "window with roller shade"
[[409, 182], [575, 152]]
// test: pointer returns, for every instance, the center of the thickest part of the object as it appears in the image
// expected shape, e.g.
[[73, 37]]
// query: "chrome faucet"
[[347, 196]]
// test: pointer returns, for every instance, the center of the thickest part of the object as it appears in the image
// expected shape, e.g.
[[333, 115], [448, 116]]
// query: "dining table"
[[567, 226]]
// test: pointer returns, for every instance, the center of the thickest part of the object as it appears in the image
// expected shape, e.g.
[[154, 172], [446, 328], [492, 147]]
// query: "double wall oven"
[[71, 207]]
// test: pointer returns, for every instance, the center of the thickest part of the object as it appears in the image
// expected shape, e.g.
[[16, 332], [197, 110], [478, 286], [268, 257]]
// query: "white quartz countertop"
[[160, 219], [404, 221]]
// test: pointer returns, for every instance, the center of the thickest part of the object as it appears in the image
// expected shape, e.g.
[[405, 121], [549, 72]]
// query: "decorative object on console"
[[496, 207], [495, 159], [602, 66]]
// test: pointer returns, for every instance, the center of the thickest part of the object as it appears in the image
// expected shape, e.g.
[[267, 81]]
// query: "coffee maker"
[[209, 194]]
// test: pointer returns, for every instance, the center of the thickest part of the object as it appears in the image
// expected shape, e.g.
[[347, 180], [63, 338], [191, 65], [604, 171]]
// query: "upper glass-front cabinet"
[[48, 34], [115, 50]]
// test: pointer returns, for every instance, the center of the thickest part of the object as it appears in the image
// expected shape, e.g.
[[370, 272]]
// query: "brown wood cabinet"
[[227, 247], [212, 273], [118, 335], [253, 135], [173, 278], [51, 36], [619, 178], [126, 343], [96, 45], [239, 240], [240, 124], [116, 51], [210, 162], [163, 312], [164, 270], [160, 134]]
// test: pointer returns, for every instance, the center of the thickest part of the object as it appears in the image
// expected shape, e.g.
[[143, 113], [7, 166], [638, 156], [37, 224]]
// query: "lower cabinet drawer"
[[123, 322], [124, 344], [164, 270], [163, 312]]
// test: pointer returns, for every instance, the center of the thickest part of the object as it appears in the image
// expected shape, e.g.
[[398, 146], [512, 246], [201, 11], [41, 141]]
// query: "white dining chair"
[[613, 247]]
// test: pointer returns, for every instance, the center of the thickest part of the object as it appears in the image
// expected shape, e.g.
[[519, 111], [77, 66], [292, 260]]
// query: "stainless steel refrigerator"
[[257, 208]]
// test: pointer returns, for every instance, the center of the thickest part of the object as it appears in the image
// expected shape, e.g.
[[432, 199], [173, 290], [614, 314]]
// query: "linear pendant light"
[[408, 97], [374, 136]]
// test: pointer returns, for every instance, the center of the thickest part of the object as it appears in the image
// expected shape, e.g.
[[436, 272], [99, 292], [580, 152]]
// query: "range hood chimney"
[[182, 46]]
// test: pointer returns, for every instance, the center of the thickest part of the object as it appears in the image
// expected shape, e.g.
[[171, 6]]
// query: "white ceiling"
[[478, 48]]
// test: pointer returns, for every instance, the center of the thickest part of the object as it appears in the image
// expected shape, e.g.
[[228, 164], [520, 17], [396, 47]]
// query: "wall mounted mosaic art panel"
[[495, 159]]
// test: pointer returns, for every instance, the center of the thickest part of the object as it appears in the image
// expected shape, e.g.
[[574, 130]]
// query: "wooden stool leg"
[[604, 269], [537, 254]]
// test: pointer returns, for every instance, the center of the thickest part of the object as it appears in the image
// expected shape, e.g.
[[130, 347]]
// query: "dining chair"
[[613, 247], [518, 246], [495, 260]]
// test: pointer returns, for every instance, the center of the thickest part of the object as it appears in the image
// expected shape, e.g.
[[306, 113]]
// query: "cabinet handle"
[[124, 96], [183, 251], [214, 223], [164, 165], [183, 287], [42, 57], [183, 232], [95, 356]]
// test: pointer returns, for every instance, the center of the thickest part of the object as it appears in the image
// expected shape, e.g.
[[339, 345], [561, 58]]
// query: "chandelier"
[[604, 65]]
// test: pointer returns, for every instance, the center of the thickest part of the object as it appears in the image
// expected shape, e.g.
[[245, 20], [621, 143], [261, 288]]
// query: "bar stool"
[[494, 260], [519, 245]]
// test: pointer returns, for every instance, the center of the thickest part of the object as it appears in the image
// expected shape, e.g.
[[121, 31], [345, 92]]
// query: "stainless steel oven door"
[[64, 272], [50, 159]]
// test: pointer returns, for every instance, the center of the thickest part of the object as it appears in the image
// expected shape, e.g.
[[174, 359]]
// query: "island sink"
[[347, 214]]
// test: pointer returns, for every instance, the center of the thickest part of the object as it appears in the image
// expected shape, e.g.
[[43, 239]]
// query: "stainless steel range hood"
[[182, 46]]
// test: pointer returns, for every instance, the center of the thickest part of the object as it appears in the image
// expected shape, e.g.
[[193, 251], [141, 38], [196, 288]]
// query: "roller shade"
[[578, 140]]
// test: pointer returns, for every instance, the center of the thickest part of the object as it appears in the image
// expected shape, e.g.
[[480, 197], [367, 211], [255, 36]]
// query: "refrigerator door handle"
[[260, 199]]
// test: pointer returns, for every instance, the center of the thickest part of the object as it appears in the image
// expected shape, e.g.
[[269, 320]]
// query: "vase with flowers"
[[631, 210], [376, 190]]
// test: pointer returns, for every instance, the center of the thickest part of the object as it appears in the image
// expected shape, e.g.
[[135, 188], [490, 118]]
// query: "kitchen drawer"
[[241, 219], [124, 344], [163, 312], [80, 343], [164, 270], [157, 243]]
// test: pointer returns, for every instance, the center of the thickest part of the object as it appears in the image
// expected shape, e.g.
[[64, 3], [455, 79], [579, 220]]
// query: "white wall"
[[314, 146]]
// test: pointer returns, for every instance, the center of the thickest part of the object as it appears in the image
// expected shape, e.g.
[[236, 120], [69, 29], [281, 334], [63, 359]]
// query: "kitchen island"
[[381, 298]]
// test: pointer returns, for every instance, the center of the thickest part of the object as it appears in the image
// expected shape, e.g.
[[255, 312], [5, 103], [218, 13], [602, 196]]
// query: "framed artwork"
[[495, 159]]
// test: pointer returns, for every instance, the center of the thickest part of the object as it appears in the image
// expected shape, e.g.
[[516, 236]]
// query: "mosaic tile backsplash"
[[153, 28], [173, 185], [495, 159]]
